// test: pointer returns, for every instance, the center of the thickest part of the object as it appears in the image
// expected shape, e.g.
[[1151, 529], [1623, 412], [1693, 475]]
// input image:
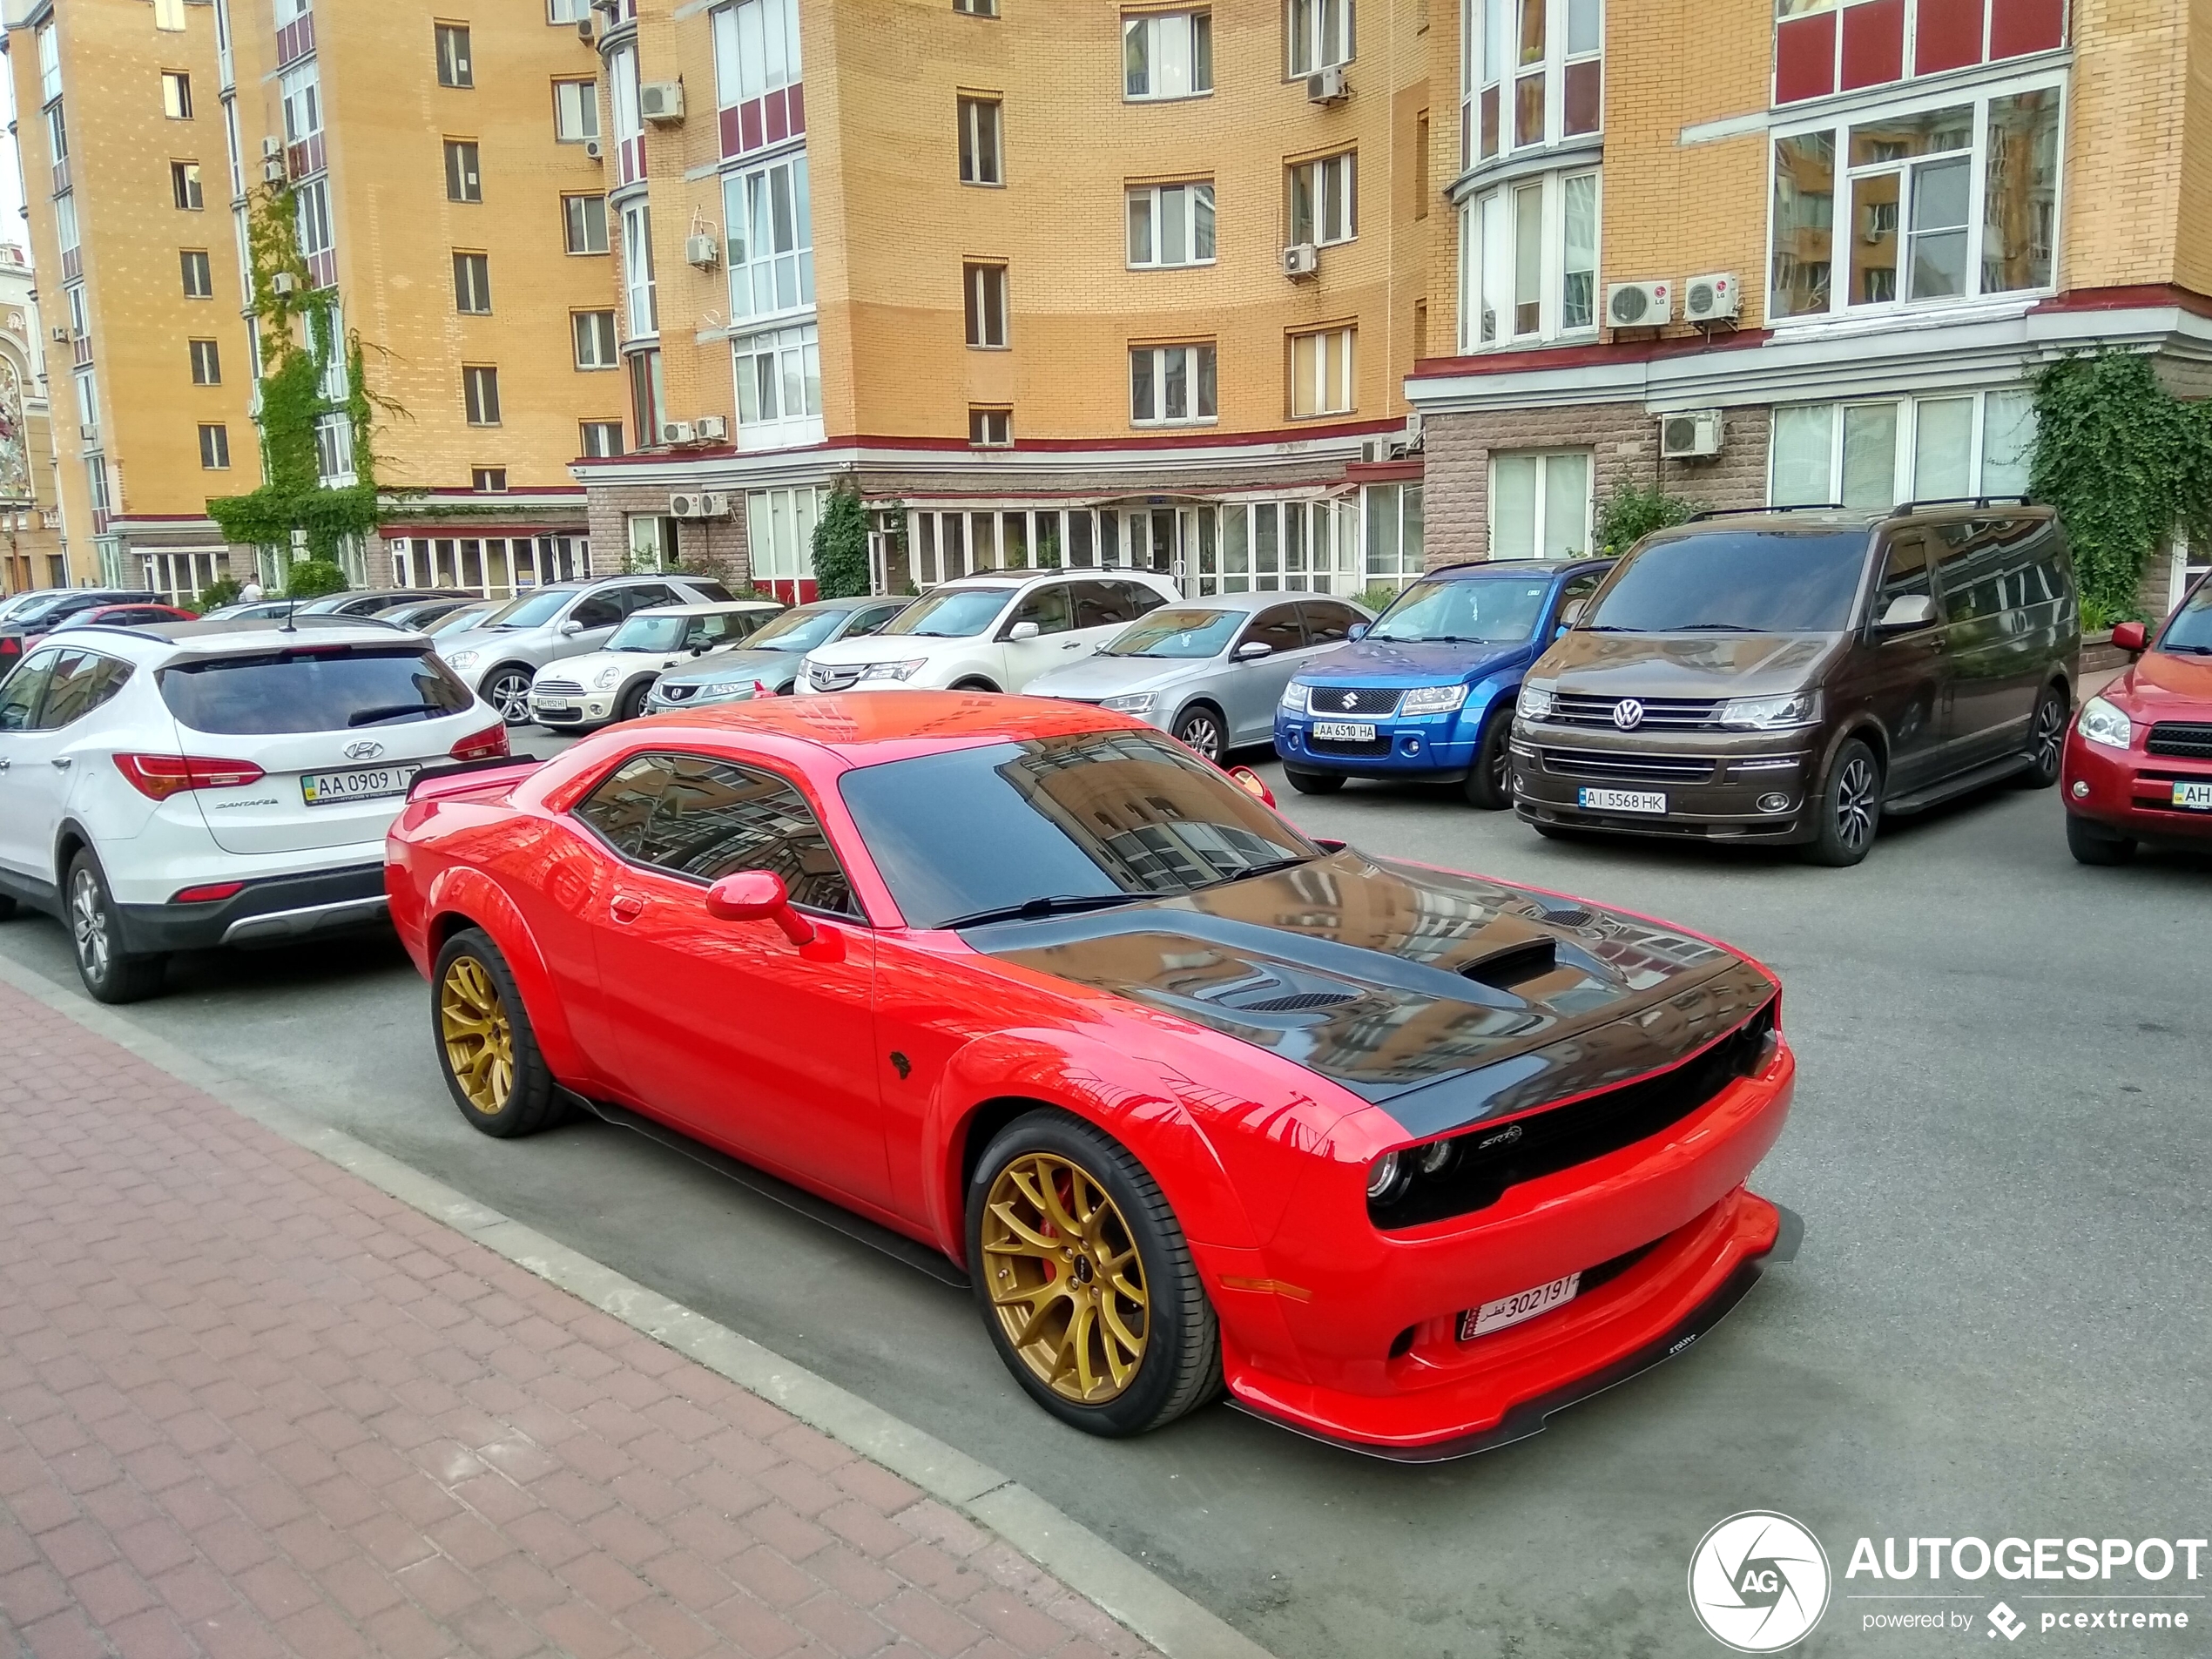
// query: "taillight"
[[159, 777], [208, 894], [11, 646], [487, 745]]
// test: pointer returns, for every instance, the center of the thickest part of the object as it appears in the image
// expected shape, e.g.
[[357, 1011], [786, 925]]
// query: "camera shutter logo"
[[1628, 714], [1759, 1582]]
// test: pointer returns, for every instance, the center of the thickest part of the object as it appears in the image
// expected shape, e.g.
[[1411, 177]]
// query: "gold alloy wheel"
[[1065, 1280], [479, 1037]]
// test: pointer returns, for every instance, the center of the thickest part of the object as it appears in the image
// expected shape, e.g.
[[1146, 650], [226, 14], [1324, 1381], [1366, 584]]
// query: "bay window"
[[647, 398], [771, 227], [1540, 505], [1943, 201], [1528, 262], [779, 386], [1167, 54], [1872, 454], [637, 271], [1171, 385], [1170, 224], [760, 97], [1533, 72]]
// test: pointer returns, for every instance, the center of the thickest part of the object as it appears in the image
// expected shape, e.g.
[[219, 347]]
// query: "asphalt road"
[[1997, 1325]]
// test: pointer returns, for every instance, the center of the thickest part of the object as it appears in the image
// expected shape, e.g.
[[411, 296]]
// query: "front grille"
[[1666, 713], [1492, 1157], [678, 693], [1327, 700], [558, 688], [823, 677], [1629, 768], [2181, 737], [1369, 747]]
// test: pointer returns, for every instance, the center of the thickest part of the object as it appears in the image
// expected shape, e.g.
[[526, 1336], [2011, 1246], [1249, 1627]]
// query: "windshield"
[[2191, 629], [40, 605], [1749, 581], [1176, 631], [1097, 815], [797, 630], [651, 633], [312, 689], [951, 613], [531, 609], [467, 617], [1486, 610]]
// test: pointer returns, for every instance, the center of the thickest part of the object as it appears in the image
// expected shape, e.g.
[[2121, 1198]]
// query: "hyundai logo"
[[1628, 714], [367, 749]]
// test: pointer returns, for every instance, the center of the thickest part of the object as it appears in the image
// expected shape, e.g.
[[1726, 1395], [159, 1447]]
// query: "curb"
[[1086, 1563]]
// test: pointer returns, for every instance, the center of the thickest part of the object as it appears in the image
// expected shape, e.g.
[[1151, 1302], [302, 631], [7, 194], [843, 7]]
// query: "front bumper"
[[274, 911], [1436, 746], [1747, 787], [594, 708], [2132, 792]]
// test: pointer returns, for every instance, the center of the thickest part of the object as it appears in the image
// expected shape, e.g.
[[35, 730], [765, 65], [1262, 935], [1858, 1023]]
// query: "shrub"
[[223, 591], [312, 578], [1631, 513], [841, 545]]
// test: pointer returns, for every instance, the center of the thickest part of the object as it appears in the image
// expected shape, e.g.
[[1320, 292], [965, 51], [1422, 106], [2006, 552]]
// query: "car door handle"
[[626, 906], [63, 762]]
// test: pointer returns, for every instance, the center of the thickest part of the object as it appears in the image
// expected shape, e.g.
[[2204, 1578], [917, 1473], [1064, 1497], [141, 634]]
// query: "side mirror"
[[1252, 650], [1358, 630], [1022, 630], [758, 895], [2131, 637], [1571, 612], [1253, 783], [571, 627], [1908, 610]]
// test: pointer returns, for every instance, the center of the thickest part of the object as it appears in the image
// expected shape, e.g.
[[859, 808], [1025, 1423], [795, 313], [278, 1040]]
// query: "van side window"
[[1904, 569]]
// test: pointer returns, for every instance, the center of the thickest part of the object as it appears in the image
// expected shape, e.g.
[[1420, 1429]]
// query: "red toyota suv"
[[2138, 762]]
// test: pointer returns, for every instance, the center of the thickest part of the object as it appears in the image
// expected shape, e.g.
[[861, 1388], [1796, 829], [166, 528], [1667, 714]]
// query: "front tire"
[[633, 702], [1489, 784], [972, 684], [110, 975], [2046, 739], [1849, 809], [486, 1049], [1314, 783], [1200, 728], [2091, 843], [507, 689], [1085, 1281]]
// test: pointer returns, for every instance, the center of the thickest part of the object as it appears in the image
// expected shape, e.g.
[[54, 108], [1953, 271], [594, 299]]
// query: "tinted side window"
[[1328, 624], [1904, 569], [709, 589], [644, 598], [1139, 597], [866, 622], [1278, 627], [622, 808], [1579, 589], [598, 611], [714, 819], [82, 680], [1049, 608], [20, 693]]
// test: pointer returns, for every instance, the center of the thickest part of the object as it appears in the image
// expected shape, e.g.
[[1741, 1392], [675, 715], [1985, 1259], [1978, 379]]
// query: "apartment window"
[[302, 95], [50, 64], [215, 448], [977, 8], [1319, 34], [464, 182], [595, 339], [65, 224], [169, 16], [1171, 385], [472, 283], [602, 440], [335, 448], [480, 391], [88, 398], [638, 271], [1534, 71], [584, 221], [206, 363], [183, 185], [985, 287], [1540, 505], [1420, 165], [1394, 533], [57, 134], [990, 429], [770, 227], [980, 159], [576, 110], [1321, 381], [1935, 205], [1872, 456], [1170, 224], [1167, 54], [648, 400], [779, 375], [568, 11], [487, 481], [80, 310], [454, 65], [313, 218], [200, 277], [1528, 261], [175, 94], [756, 52], [1325, 199]]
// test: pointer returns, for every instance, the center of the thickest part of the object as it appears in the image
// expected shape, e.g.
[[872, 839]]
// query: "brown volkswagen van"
[[1789, 676]]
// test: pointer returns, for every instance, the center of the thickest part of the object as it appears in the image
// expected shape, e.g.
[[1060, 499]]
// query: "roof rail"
[[1959, 501], [1740, 512]]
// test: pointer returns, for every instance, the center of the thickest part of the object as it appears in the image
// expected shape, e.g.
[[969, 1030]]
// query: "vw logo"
[[1628, 714], [1352, 699], [365, 750]]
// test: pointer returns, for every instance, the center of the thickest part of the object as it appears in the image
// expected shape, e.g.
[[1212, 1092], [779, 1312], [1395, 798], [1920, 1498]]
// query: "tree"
[[841, 545]]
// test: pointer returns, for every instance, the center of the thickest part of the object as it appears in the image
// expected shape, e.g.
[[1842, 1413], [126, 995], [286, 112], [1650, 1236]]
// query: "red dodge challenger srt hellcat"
[[1399, 1158]]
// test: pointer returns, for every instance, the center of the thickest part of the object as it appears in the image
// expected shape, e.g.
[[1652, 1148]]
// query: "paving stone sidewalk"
[[249, 1405]]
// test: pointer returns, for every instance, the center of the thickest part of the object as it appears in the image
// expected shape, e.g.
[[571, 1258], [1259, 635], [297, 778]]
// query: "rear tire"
[[507, 689], [95, 932], [1200, 727], [1489, 784], [486, 1050], [1849, 809], [1122, 1338], [2046, 739], [1314, 783], [2091, 843]]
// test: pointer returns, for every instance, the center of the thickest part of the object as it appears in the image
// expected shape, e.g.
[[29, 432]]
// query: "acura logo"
[[1352, 699], [1628, 714], [367, 749]]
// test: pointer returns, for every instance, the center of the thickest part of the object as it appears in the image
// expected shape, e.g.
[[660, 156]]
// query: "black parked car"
[[37, 620]]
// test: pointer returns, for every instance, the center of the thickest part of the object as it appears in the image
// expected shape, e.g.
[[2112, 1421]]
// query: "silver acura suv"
[[498, 657]]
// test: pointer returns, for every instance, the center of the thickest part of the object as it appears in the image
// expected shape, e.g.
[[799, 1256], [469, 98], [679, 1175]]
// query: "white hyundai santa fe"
[[989, 633], [180, 785]]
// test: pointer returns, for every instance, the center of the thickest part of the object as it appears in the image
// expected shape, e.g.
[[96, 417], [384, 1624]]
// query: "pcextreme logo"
[[1759, 1582]]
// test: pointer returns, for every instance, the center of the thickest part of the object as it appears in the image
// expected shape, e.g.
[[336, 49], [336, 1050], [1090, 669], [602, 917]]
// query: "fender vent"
[[1569, 916]]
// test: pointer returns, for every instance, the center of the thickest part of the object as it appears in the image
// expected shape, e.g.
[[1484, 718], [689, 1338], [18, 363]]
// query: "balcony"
[[630, 160], [72, 264], [80, 350], [305, 158], [322, 268], [295, 40], [760, 122], [61, 174]]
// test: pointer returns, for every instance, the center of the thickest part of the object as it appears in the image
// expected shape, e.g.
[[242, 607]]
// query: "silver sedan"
[[1208, 670]]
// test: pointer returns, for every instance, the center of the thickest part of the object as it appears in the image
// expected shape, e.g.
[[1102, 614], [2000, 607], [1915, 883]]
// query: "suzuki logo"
[[1352, 699], [1628, 714], [365, 750]]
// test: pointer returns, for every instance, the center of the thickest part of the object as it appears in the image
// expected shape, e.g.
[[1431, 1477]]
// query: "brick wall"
[[710, 546], [1623, 443]]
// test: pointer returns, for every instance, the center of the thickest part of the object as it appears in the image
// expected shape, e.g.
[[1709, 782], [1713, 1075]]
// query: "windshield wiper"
[[1061, 904], [2193, 650], [1713, 628], [392, 711], [1268, 868]]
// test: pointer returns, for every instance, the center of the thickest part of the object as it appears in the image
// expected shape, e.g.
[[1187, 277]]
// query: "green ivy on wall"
[[2125, 462], [302, 358], [841, 545]]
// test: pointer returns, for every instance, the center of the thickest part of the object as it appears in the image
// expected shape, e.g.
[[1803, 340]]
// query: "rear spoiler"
[[465, 777]]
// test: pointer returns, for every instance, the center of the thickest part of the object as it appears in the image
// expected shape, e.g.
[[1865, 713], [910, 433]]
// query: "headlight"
[[462, 659], [1766, 713], [1434, 700], [2102, 723], [1535, 701], [1293, 699], [907, 669], [727, 691], [607, 677], [1382, 1177], [1135, 702]]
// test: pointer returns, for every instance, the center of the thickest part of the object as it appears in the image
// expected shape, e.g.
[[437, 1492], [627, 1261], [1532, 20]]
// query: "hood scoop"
[[1297, 1003], [1511, 965]]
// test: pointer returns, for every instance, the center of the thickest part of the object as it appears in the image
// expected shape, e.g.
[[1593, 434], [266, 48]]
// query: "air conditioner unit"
[[685, 506], [272, 169], [583, 29], [1690, 435], [714, 504], [271, 145], [661, 100], [1710, 299], [60, 334], [1639, 305], [283, 282], [1374, 449], [706, 251], [1301, 259], [594, 151], [677, 432], [712, 428], [1327, 86], [88, 434]]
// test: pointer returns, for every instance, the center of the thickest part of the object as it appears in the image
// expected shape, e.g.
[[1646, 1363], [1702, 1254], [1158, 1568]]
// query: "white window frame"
[[206, 269], [575, 110], [334, 449], [207, 365], [592, 338], [1331, 186], [1492, 215], [1193, 354], [1318, 34], [315, 234], [592, 439], [987, 305], [756, 50], [570, 12], [641, 295], [1176, 49], [793, 356], [473, 404], [222, 443], [1332, 353], [471, 282], [1540, 528], [175, 94], [573, 219], [1489, 59], [464, 160], [88, 398], [50, 64], [761, 275], [990, 427], [1392, 546], [454, 44], [301, 91], [1843, 230], [971, 121], [780, 532], [65, 232], [2018, 404], [1191, 200]]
